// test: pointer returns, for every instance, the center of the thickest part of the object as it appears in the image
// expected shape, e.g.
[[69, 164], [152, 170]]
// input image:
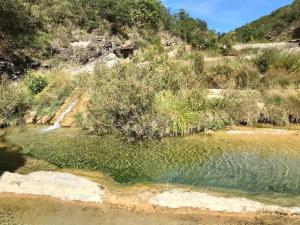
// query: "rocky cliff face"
[[78, 49], [88, 48], [13, 65]]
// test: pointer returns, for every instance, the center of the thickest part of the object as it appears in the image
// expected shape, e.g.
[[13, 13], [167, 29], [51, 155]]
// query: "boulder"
[[110, 60], [14, 66], [30, 117], [126, 50], [3, 123]]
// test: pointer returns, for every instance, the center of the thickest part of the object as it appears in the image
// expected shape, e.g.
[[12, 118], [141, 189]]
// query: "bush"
[[18, 23], [282, 103], [247, 78], [13, 102], [198, 63], [36, 84], [276, 59], [144, 100], [204, 39], [54, 95], [122, 100], [219, 76], [184, 26], [266, 59], [243, 106], [181, 119]]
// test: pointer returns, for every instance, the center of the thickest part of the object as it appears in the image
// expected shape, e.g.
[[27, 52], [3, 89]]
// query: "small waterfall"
[[56, 125]]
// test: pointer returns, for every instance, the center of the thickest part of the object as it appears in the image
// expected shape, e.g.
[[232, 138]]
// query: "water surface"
[[259, 165]]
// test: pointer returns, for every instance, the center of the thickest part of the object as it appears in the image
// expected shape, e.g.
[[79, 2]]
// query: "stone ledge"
[[63, 186]]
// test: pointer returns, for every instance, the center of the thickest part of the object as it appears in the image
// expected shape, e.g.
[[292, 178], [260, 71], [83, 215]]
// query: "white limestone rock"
[[63, 186], [204, 201]]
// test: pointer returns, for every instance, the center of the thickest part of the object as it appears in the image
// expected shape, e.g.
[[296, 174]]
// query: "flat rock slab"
[[64, 186], [204, 201]]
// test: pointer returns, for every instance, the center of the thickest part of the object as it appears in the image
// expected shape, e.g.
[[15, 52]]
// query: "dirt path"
[[285, 46]]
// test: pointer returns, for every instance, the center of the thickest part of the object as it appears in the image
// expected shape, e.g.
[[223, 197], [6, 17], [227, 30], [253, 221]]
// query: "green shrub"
[[185, 26], [247, 77], [122, 100], [177, 112], [143, 100], [36, 84], [243, 106], [18, 22], [204, 39], [276, 59], [13, 102], [198, 63], [219, 76], [266, 59], [54, 95], [281, 103]]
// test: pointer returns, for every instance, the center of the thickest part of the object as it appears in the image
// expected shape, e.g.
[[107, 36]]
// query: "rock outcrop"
[[64, 186], [89, 48], [13, 66]]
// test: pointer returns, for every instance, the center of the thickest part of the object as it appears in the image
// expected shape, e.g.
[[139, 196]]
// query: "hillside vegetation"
[[148, 75], [33, 24], [30, 30], [282, 24]]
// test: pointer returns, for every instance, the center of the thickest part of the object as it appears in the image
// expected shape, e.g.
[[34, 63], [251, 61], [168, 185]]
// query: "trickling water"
[[56, 125]]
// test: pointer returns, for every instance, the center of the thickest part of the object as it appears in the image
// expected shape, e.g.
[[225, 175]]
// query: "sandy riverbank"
[[33, 210], [66, 186]]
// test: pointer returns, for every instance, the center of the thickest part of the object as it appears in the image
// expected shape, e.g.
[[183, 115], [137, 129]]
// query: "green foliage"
[[281, 103], [18, 24], [247, 78], [275, 59], [54, 94], [36, 84], [227, 41], [243, 106], [266, 59], [198, 63], [184, 25], [144, 100], [123, 100], [176, 111], [13, 102], [219, 76], [17, 19], [277, 109], [203, 39]]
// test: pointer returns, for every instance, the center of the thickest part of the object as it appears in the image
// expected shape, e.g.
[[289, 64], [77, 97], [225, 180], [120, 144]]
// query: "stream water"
[[263, 166], [60, 118]]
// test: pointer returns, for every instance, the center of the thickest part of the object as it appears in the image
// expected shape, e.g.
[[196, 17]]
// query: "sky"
[[226, 15]]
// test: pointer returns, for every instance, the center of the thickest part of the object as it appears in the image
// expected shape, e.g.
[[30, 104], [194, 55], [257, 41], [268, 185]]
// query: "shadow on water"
[[9, 160]]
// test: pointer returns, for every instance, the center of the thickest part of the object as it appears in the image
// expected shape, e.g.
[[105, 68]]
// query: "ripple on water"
[[253, 164]]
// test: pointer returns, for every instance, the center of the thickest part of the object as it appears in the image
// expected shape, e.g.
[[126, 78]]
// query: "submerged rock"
[[64, 186]]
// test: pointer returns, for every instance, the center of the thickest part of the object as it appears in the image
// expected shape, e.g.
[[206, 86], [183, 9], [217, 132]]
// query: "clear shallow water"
[[255, 164]]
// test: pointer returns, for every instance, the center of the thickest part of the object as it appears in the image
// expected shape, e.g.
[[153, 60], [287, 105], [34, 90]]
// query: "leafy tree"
[[204, 39], [185, 25], [17, 23]]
